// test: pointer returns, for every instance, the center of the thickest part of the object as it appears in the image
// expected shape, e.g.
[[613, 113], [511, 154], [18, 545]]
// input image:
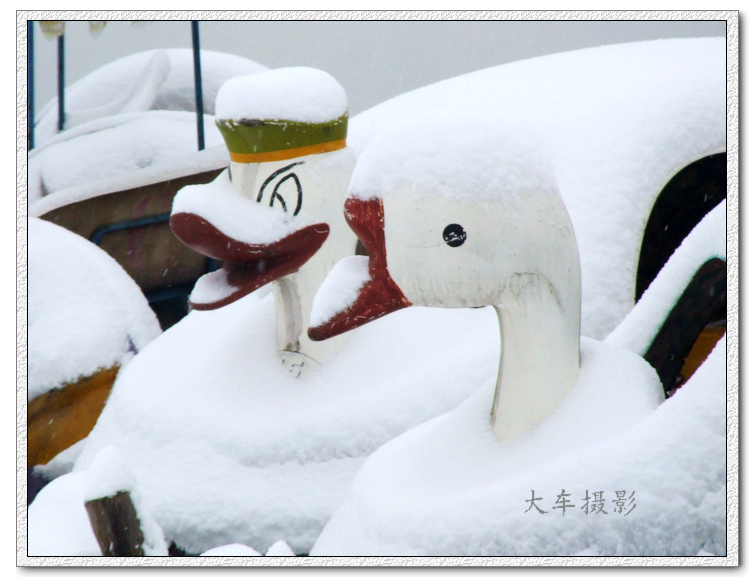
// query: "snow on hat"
[[281, 114]]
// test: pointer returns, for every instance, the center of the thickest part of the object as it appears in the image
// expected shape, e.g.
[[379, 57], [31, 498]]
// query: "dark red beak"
[[380, 295], [247, 266]]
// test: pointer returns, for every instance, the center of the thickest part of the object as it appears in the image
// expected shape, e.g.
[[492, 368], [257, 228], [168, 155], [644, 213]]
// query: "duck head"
[[275, 215], [455, 213]]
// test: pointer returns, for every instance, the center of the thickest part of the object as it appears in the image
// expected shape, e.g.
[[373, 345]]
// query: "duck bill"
[[379, 295], [247, 266]]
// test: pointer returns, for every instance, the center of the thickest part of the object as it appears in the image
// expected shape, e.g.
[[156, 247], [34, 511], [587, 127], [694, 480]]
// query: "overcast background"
[[373, 60]]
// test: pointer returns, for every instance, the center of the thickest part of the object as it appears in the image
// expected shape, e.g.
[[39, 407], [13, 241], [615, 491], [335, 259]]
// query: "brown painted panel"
[[151, 255], [116, 525]]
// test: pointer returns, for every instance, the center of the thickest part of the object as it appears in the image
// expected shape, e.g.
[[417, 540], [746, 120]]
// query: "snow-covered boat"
[[636, 133]]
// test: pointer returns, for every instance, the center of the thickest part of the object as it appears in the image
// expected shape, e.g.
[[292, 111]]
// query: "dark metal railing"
[[198, 84]]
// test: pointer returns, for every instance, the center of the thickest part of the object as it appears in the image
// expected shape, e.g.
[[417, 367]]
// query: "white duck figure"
[[272, 217], [496, 235], [474, 225]]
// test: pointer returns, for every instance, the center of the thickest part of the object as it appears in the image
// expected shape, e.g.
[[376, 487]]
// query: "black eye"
[[454, 235]]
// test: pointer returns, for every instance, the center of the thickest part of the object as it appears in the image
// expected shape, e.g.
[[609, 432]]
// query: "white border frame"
[[732, 365]]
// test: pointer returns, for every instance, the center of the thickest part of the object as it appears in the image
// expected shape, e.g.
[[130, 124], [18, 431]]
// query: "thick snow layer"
[[236, 216], [449, 487], [161, 79], [228, 448], [58, 523], [498, 161], [706, 241], [85, 312], [108, 475], [211, 159], [300, 94], [617, 121], [107, 148], [340, 288]]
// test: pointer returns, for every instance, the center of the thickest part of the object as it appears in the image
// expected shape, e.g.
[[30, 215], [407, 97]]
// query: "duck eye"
[[454, 235], [276, 196]]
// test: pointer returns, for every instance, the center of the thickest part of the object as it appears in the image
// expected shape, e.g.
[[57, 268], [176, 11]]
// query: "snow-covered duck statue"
[[273, 218], [225, 446], [574, 422]]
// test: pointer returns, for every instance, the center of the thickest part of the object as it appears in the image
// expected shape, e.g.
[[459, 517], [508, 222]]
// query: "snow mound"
[[449, 487], [58, 523], [161, 79], [85, 312], [108, 475], [300, 94], [280, 548], [228, 448], [232, 550]]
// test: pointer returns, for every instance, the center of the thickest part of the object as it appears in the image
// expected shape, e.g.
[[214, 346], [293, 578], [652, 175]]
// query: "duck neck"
[[539, 357]]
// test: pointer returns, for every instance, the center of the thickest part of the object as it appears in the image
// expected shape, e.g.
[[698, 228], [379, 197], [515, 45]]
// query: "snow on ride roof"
[[706, 241], [617, 122], [128, 83], [109, 150], [300, 94], [454, 155], [85, 312], [447, 487], [235, 215]]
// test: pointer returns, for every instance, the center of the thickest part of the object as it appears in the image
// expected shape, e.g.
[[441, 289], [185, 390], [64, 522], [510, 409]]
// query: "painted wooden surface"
[[150, 254], [703, 346], [703, 300], [60, 418], [116, 525]]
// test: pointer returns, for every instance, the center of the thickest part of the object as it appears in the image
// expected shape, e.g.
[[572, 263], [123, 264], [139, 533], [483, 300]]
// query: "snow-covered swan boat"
[[573, 422]]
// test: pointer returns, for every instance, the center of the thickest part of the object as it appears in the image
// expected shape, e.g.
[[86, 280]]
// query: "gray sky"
[[373, 60]]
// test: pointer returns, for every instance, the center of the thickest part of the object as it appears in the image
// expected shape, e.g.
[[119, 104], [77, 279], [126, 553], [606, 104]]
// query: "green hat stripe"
[[264, 136]]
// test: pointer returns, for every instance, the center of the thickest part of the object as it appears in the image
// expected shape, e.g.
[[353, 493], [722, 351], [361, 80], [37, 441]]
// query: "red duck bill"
[[247, 266], [379, 295]]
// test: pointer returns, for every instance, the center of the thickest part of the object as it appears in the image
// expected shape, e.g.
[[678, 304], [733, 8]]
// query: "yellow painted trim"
[[288, 153]]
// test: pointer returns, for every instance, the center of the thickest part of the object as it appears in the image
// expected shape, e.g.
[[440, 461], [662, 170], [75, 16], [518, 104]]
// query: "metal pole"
[[61, 83], [198, 84], [30, 85]]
